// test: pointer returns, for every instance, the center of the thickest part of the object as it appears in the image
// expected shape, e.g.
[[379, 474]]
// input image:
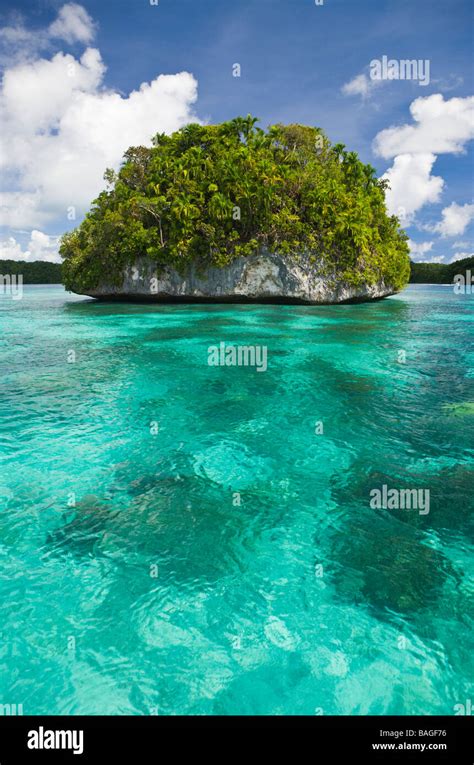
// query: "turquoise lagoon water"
[[158, 592]]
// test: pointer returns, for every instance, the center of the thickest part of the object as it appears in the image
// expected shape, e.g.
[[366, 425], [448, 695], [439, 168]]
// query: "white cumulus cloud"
[[411, 185], [441, 127], [40, 247], [73, 24], [454, 219], [361, 85], [19, 43], [61, 127], [419, 249]]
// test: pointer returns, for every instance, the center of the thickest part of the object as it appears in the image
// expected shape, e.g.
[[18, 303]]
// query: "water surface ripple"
[[131, 579]]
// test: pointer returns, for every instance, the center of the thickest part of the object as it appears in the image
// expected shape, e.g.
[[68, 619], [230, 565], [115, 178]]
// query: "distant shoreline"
[[34, 272]]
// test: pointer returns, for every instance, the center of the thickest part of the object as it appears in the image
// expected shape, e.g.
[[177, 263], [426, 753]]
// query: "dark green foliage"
[[37, 272], [209, 194], [439, 273]]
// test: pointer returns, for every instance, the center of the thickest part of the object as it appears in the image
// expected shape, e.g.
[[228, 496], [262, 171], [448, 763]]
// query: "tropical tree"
[[294, 193]]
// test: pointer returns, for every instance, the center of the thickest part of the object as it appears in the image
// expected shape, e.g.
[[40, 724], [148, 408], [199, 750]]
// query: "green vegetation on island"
[[439, 273], [209, 194], [34, 272]]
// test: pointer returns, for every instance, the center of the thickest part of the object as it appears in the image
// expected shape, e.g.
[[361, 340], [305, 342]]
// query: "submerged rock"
[[262, 278], [387, 566], [81, 534]]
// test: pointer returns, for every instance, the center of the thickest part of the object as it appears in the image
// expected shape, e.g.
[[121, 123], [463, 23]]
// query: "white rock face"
[[257, 278]]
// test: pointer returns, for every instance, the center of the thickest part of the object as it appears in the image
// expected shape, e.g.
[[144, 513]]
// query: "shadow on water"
[[361, 310]]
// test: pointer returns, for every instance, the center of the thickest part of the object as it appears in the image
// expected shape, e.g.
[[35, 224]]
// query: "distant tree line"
[[36, 272], [439, 273]]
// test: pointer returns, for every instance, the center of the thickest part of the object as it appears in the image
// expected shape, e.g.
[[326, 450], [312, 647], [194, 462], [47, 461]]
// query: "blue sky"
[[295, 58]]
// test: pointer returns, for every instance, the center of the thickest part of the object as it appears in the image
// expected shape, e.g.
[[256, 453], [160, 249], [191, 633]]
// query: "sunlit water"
[[158, 592]]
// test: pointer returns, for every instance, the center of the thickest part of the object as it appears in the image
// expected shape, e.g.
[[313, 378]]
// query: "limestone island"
[[231, 213]]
